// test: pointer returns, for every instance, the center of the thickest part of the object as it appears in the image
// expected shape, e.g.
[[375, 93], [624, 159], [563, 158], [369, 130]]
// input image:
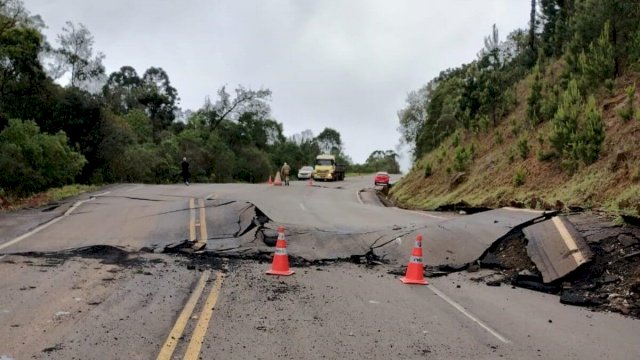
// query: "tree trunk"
[[614, 43], [532, 28]]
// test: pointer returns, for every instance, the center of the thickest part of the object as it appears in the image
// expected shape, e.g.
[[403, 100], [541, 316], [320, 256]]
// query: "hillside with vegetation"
[[547, 118], [64, 119]]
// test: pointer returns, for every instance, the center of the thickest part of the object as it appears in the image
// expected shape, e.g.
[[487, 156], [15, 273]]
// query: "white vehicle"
[[305, 173]]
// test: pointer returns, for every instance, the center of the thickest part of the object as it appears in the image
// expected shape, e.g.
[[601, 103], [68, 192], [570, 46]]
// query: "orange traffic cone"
[[278, 180], [280, 265], [415, 273], [270, 182]]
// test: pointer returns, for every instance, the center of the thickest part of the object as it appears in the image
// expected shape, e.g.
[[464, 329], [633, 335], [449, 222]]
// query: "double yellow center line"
[[197, 337], [200, 223]]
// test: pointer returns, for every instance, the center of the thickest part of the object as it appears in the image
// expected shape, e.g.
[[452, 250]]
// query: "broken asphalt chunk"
[[579, 298], [556, 248]]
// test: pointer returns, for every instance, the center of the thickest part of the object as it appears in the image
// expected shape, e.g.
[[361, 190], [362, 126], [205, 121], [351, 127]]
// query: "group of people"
[[186, 175]]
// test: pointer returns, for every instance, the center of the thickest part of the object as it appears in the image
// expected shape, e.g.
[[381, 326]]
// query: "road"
[[90, 279]]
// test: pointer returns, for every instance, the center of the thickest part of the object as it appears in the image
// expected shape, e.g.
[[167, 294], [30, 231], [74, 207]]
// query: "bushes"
[[427, 170], [462, 159], [523, 147], [31, 161], [519, 177], [628, 111]]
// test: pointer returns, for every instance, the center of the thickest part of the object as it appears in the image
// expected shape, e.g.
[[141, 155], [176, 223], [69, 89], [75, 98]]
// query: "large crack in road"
[[248, 234]]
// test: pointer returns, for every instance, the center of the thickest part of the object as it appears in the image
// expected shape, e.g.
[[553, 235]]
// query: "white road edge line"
[[468, 314], [423, 214], [134, 188], [358, 196], [51, 222]]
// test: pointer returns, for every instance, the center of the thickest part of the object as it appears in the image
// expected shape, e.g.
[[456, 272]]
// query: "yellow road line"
[[172, 340], [192, 220], [569, 241], [193, 351], [203, 221]]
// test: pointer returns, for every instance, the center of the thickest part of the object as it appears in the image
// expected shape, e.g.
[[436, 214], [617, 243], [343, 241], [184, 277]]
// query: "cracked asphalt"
[[101, 283]]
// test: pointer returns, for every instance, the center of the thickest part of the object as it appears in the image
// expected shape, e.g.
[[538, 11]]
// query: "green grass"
[[56, 194], [46, 197], [626, 202]]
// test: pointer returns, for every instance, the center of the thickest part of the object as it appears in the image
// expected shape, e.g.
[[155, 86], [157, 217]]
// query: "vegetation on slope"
[[546, 119]]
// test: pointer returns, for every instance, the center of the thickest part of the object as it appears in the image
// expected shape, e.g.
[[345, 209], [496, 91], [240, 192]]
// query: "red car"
[[382, 178]]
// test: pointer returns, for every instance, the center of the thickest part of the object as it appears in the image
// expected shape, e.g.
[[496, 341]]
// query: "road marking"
[[135, 188], [569, 241], [192, 220], [193, 351], [176, 332], [468, 314], [358, 196], [423, 214], [51, 222], [210, 196], [203, 221], [302, 207], [524, 210]]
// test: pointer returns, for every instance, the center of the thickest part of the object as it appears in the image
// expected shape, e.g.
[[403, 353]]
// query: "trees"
[[383, 161], [329, 141], [578, 133], [246, 100], [534, 100], [24, 87], [597, 64], [32, 161], [75, 56], [122, 89], [159, 99], [565, 121]]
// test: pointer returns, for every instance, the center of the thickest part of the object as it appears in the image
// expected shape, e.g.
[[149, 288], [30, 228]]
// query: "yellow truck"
[[327, 169]]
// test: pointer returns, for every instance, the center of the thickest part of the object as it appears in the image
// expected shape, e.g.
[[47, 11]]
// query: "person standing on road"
[[285, 173], [185, 171]]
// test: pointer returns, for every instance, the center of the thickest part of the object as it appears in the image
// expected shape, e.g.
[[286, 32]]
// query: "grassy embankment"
[[45, 197], [501, 172]]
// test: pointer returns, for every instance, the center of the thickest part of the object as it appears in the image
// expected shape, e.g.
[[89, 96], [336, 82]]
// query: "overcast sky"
[[344, 64]]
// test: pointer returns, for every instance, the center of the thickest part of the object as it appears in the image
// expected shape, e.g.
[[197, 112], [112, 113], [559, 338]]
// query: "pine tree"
[[597, 64], [565, 121], [535, 98], [592, 135]]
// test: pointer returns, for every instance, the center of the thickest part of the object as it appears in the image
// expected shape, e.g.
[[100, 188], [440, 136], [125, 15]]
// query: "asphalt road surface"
[[92, 278]]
